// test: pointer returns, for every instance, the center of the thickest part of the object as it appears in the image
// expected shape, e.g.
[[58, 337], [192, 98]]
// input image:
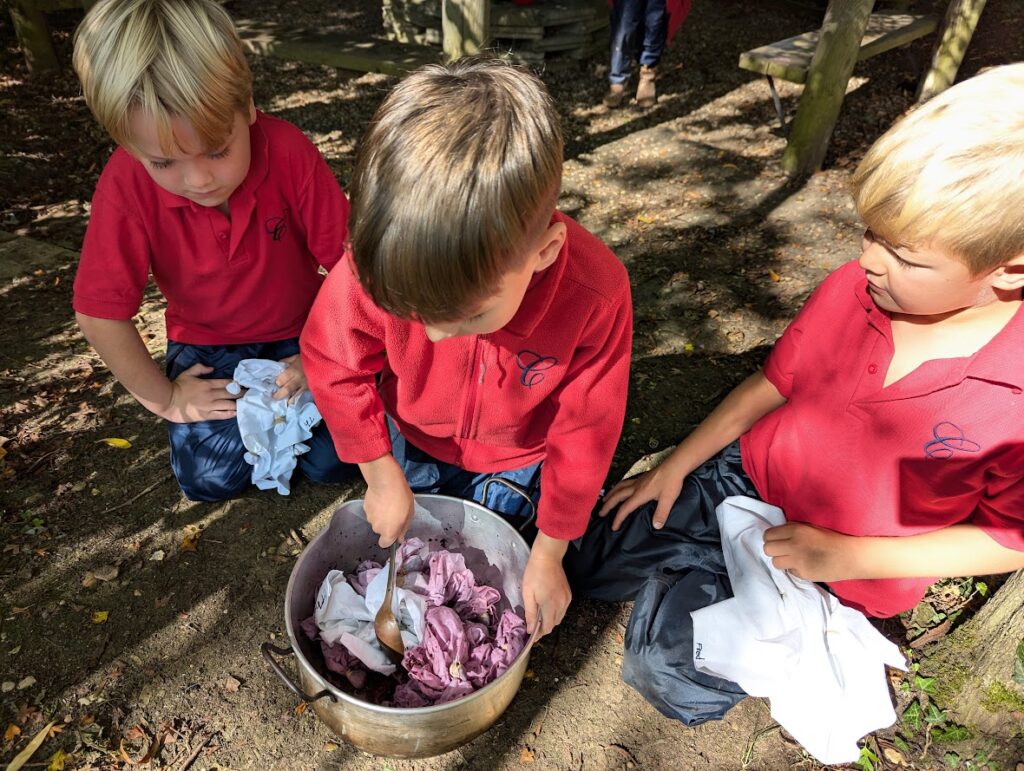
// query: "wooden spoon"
[[385, 625]]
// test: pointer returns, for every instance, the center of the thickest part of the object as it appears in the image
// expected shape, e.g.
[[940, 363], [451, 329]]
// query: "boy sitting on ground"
[[476, 342], [233, 212], [888, 421]]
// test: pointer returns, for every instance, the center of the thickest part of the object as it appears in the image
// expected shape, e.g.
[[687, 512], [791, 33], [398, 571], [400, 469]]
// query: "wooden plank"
[[465, 27], [831, 67], [790, 59], [334, 49], [957, 30]]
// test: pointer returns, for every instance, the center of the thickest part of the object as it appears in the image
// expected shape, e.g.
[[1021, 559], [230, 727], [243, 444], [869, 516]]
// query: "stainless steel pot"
[[496, 554]]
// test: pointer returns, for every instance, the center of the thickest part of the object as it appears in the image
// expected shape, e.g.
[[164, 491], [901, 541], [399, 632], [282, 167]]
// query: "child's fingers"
[[196, 370], [627, 508], [619, 493], [531, 610], [662, 511]]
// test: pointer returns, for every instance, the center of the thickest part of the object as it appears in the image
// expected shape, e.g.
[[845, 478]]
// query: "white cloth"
[[345, 617], [819, 663], [273, 430]]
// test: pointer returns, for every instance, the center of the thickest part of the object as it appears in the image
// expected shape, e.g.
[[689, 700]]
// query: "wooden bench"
[[790, 59]]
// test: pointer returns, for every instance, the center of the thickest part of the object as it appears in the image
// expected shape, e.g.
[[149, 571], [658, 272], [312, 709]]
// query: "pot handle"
[[268, 651]]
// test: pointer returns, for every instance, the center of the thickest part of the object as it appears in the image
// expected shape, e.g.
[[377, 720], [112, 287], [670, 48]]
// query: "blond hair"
[[951, 173], [458, 173], [167, 58]]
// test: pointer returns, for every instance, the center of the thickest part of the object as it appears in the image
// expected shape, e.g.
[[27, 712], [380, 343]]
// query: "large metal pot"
[[496, 554]]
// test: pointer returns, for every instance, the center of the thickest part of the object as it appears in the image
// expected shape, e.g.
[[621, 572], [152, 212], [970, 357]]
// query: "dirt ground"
[[129, 612]]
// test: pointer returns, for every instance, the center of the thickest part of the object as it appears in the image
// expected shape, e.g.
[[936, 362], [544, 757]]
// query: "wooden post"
[[33, 36], [831, 67], [465, 27], [958, 28]]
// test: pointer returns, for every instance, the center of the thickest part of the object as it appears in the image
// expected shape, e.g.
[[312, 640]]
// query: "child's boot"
[[646, 95], [615, 96]]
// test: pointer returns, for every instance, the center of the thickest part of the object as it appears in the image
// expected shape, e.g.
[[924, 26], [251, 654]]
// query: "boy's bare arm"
[[818, 554], [546, 593], [389, 501], [751, 400], [188, 399]]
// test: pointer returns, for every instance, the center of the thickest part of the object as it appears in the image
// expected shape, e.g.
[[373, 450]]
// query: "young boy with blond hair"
[[476, 341], [888, 421], [234, 213]]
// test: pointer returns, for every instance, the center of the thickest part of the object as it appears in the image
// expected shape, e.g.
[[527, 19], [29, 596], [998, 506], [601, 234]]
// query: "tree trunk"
[[831, 67], [961, 19], [974, 666]]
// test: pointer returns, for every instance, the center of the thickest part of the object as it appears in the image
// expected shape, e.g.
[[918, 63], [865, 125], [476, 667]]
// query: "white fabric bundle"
[[273, 430], [820, 663]]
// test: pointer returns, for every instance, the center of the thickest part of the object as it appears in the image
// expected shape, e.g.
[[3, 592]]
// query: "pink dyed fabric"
[[463, 646]]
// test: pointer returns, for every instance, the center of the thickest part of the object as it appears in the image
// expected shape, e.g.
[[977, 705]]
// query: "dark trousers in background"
[[639, 29], [668, 573], [512, 494], [208, 457]]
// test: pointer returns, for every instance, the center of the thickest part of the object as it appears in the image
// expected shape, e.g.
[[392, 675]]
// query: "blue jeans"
[[639, 32], [208, 457], [513, 494]]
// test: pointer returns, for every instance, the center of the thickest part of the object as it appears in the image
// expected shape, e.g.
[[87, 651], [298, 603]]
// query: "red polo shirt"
[[248, 279], [943, 445], [550, 385]]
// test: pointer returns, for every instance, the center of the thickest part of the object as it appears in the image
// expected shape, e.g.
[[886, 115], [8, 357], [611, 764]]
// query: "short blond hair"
[[951, 173], [168, 58], [457, 175]]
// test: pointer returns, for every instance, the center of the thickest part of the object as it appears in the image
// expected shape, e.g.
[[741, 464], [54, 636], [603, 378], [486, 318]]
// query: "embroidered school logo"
[[948, 440], [277, 226], [533, 365]]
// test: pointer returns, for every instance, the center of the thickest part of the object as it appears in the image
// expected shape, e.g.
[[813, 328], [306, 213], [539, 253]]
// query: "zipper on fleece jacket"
[[474, 383]]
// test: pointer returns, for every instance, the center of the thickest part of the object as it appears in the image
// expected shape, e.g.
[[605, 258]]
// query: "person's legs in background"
[[655, 36], [626, 21]]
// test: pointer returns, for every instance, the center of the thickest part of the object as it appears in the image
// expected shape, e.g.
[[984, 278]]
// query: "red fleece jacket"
[[551, 385]]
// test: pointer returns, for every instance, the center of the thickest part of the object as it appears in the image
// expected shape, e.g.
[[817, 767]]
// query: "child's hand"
[[194, 398], [389, 501], [662, 484], [812, 553], [546, 593], [292, 381]]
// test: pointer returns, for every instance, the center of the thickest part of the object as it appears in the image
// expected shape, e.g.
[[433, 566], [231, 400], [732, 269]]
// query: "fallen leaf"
[[106, 573], [16, 611], [529, 674], [100, 616], [121, 444], [27, 682], [894, 756], [774, 276], [54, 730], [330, 746], [300, 708], [191, 540], [526, 756], [27, 714], [8, 686], [87, 720], [90, 580], [161, 602], [232, 684], [57, 761], [157, 556], [647, 219], [134, 733], [11, 733], [30, 749]]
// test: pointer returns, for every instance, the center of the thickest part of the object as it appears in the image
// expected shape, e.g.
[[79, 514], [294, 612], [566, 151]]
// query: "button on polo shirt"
[[941, 446], [245, 279]]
